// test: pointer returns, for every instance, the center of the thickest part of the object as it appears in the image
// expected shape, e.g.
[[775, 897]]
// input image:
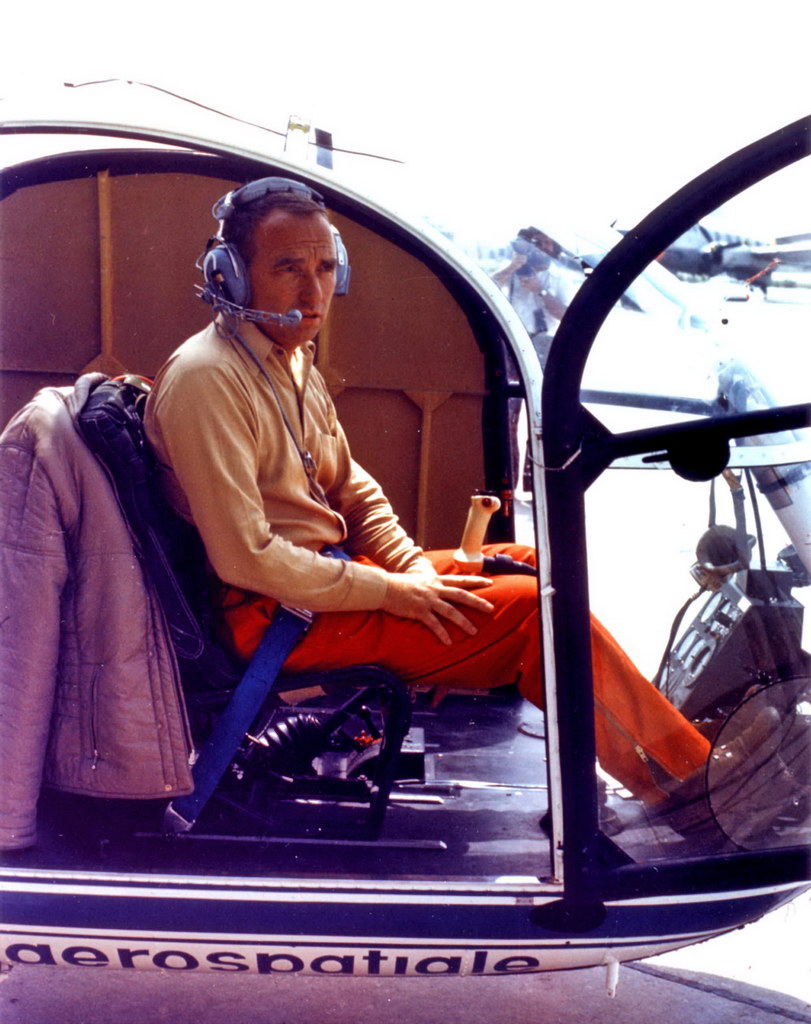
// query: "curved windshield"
[[703, 575]]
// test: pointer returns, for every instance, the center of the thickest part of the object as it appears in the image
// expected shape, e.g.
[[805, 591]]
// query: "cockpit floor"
[[470, 806]]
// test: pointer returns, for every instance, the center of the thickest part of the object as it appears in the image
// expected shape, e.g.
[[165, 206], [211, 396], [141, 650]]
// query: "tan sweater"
[[231, 467]]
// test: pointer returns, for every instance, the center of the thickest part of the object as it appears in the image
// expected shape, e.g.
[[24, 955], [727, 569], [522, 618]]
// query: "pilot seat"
[[257, 747]]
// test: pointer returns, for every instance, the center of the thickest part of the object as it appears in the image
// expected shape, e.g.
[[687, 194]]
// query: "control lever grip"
[[468, 557]]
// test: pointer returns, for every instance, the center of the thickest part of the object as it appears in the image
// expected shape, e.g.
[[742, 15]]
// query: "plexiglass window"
[[703, 579]]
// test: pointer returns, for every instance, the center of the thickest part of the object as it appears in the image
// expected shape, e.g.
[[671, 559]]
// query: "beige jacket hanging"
[[90, 699]]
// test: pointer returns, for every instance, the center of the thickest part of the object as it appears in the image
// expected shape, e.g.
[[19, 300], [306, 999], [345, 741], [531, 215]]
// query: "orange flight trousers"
[[635, 724]]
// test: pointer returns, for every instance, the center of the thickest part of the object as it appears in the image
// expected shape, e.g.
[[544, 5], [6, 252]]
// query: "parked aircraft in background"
[[702, 253]]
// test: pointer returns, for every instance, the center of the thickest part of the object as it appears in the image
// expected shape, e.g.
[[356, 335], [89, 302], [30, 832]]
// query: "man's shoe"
[[739, 792]]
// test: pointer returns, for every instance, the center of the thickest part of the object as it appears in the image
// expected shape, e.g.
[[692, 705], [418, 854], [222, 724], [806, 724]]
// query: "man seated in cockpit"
[[252, 453]]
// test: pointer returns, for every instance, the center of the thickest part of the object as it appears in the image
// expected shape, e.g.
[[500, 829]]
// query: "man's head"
[[276, 252], [536, 259], [540, 240], [292, 265], [241, 216]]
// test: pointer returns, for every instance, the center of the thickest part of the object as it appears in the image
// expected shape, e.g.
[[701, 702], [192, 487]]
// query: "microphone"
[[258, 316], [261, 316]]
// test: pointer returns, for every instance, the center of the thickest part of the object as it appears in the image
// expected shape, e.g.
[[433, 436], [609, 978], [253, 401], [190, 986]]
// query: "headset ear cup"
[[225, 275], [343, 271]]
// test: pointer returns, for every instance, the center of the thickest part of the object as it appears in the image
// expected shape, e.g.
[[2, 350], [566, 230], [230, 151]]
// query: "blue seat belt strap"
[[279, 639]]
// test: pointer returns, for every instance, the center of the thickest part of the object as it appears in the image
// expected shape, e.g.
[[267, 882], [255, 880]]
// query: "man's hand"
[[502, 276], [430, 599]]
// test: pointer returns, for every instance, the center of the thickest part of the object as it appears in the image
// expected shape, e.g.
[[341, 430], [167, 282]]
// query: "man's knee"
[[515, 602]]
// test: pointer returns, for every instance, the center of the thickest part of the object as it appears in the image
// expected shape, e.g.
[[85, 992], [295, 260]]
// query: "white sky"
[[603, 107]]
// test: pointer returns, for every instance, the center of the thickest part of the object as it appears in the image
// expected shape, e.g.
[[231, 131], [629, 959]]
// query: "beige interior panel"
[[49, 281], [399, 327], [400, 332], [159, 224], [377, 424], [17, 388]]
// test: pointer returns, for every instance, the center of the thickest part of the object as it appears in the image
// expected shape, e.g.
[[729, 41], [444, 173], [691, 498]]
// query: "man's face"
[[293, 267]]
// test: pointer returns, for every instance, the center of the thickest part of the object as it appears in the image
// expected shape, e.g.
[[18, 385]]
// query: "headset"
[[226, 285]]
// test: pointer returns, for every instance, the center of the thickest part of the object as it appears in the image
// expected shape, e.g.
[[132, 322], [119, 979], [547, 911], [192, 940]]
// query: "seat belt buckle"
[[302, 613], [174, 823]]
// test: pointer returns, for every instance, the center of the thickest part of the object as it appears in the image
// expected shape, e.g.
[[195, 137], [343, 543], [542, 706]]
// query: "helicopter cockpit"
[[653, 447]]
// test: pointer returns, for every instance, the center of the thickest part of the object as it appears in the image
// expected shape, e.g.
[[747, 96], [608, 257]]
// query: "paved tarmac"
[[757, 975]]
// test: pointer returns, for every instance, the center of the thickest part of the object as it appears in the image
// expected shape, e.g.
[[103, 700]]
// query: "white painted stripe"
[[709, 897], [362, 941], [283, 885], [393, 898], [253, 896]]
